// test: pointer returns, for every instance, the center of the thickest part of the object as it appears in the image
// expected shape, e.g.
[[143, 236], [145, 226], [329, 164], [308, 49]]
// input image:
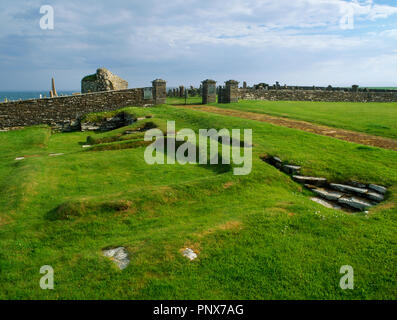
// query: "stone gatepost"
[[221, 94], [181, 91], [159, 91], [209, 91], [231, 92]]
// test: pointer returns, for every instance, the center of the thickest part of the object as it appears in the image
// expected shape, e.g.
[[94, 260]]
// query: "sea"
[[26, 95]]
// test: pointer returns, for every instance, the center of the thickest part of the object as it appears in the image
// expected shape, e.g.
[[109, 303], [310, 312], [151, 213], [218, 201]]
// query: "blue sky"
[[186, 41]]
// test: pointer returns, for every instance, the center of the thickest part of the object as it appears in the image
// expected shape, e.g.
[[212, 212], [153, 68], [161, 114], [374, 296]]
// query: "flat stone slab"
[[56, 154], [119, 256], [277, 162], [20, 158], [290, 169], [357, 184], [87, 146], [356, 203], [326, 203], [190, 254], [328, 194], [375, 196], [346, 188], [377, 188], [310, 180]]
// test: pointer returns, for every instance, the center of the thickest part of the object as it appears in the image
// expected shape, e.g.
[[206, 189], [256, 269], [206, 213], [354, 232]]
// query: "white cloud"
[[184, 35]]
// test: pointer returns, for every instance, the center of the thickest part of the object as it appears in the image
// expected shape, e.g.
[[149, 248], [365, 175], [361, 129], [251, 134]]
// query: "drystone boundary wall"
[[316, 95], [64, 113]]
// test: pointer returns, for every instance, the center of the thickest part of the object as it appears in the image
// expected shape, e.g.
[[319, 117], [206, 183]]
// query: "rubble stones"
[[354, 195]]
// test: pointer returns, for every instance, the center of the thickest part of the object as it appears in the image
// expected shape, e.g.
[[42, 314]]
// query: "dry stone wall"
[[316, 95], [64, 113]]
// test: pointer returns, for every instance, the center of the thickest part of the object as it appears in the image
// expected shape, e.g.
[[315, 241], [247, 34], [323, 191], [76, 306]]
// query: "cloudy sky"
[[302, 42]]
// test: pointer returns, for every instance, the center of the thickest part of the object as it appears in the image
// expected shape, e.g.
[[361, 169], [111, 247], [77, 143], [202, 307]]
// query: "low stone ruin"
[[102, 80], [107, 124], [352, 196]]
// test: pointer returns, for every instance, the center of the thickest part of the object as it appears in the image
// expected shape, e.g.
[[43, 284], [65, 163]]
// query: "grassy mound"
[[135, 131], [133, 112], [131, 144], [74, 209]]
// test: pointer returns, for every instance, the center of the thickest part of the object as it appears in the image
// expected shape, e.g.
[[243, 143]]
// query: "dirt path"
[[351, 136]]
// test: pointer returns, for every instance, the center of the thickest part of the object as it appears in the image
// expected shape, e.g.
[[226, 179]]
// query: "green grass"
[[373, 118], [258, 236]]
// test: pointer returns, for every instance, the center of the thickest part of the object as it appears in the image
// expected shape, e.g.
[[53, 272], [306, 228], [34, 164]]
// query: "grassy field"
[[257, 236], [374, 118]]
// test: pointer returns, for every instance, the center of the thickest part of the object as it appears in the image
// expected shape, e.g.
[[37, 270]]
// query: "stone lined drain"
[[352, 196]]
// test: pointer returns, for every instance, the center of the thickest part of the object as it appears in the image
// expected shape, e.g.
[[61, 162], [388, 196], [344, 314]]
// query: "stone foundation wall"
[[64, 113], [316, 95]]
